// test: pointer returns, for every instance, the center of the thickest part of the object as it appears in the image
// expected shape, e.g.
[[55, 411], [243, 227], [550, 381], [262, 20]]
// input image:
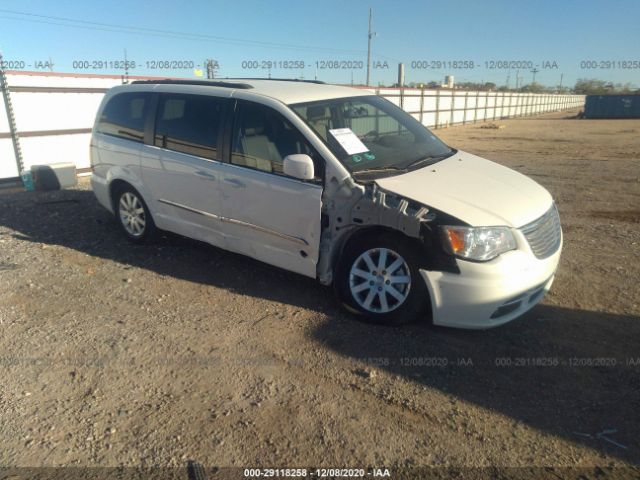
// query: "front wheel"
[[378, 278]]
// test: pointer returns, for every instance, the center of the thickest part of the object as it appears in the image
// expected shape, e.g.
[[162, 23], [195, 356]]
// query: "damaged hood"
[[474, 190]]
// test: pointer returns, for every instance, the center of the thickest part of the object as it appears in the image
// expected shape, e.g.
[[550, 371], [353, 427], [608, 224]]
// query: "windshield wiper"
[[430, 159], [379, 170]]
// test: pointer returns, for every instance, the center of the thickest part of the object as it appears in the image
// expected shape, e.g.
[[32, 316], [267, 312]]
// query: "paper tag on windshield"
[[348, 140]]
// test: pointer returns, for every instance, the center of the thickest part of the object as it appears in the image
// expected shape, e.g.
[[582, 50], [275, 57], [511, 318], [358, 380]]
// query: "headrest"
[[252, 131], [316, 112]]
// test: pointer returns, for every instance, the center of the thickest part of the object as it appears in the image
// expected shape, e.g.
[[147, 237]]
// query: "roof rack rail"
[[283, 80], [206, 83]]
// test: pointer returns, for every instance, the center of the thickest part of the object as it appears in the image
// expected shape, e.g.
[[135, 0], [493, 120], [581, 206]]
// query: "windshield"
[[369, 133]]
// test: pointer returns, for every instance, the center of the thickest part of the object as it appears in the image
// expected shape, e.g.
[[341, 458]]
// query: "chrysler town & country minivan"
[[333, 183]]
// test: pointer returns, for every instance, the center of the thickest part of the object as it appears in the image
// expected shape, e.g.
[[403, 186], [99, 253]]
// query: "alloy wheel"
[[132, 214], [380, 280]]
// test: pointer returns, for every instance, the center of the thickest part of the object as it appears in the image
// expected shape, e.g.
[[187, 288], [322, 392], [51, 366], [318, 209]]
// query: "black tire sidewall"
[[414, 306]]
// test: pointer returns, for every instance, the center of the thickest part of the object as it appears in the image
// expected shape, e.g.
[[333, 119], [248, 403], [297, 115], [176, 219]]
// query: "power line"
[[77, 23]]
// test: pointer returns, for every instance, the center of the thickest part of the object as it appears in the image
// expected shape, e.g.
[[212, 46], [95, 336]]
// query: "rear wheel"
[[379, 279], [133, 215]]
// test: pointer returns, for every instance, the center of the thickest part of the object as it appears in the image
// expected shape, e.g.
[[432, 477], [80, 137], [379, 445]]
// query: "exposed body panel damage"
[[349, 207]]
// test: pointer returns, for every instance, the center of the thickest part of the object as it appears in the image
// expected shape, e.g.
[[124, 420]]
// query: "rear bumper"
[[100, 189], [486, 295]]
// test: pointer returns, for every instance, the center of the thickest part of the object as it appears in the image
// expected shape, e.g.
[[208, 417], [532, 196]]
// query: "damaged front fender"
[[349, 207]]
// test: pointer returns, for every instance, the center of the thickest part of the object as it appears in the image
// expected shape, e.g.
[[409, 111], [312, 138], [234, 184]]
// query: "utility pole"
[[517, 78], [370, 36], [126, 68], [508, 77], [561, 75], [534, 71], [401, 75], [212, 66]]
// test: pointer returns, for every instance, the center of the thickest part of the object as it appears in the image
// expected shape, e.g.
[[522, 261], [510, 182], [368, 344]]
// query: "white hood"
[[474, 190]]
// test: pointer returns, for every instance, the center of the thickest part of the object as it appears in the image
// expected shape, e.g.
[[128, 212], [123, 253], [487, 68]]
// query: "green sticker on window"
[[356, 158], [369, 156]]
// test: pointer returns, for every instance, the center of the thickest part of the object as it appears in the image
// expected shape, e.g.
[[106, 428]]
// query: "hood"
[[474, 190]]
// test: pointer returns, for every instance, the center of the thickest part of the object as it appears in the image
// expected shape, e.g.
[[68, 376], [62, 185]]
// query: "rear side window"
[[124, 116], [189, 124]]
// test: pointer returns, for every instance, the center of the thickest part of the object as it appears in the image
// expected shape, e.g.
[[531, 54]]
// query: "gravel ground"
[[120, 355]]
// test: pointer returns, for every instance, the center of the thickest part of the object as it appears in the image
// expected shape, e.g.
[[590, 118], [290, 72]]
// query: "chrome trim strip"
[[297, 240], [189, 209]]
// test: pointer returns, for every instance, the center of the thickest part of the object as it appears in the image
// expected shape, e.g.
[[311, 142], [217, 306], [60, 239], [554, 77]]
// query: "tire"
[[132, 215], [395, 297]]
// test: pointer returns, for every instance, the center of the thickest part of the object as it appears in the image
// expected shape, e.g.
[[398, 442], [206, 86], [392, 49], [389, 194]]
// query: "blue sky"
[[542, 32]]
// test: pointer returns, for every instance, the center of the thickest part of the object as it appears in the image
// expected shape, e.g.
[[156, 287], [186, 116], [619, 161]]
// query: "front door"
[[268, 215]]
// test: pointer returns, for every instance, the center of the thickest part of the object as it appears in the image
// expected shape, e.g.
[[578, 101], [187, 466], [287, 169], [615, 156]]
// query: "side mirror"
[[298, 165]]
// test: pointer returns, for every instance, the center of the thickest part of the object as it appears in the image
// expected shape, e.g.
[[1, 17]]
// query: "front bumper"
[[485, 295]]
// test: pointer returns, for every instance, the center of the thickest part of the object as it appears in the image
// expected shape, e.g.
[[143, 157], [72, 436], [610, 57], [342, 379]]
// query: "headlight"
[[478, 243]]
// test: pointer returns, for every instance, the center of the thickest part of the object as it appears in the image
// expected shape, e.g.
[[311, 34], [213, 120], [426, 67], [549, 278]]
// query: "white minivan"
[[331, 182]]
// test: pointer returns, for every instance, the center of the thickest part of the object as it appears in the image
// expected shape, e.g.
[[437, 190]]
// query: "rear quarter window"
[[124, 116]]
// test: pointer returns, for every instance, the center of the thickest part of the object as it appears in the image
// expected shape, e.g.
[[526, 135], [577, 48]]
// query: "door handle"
[[235, 182], [207, 175]]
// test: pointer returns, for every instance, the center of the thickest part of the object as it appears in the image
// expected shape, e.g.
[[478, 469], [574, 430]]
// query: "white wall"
[[8, 166], [442, 108], [55, 149], [38, 111], [54, 111], [42, 111]]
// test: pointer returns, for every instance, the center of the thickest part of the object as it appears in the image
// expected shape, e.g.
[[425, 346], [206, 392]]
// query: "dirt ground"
[[121, 355]]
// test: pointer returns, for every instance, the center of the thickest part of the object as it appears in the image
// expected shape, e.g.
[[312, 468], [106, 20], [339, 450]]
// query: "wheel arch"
[[115, 186], [357, 234], [411, 249], [120, 185], [119, 178]]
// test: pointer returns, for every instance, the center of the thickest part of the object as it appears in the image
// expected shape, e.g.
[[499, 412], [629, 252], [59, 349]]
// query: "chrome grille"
[[544, 234]]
